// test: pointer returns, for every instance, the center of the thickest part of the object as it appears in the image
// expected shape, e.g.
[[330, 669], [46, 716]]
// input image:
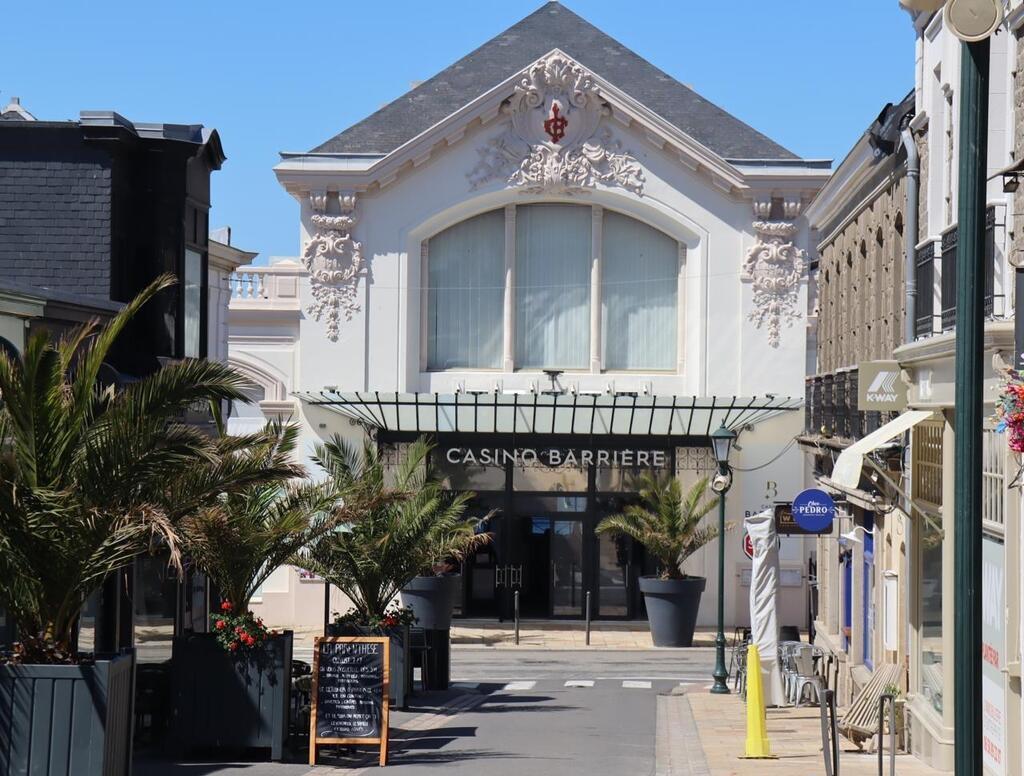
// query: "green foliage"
[[666, 521], [240, 538], [392, 525], [91, 476]]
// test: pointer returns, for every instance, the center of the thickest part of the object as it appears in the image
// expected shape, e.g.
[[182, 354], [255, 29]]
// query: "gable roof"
[[549, 27]]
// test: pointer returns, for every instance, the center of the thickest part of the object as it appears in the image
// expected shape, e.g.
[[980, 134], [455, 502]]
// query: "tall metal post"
[[970, 282], [721, 674]]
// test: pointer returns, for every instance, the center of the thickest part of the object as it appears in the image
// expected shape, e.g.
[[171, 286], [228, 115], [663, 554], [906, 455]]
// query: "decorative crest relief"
[[774, 267], [334, 261], [555, 140]]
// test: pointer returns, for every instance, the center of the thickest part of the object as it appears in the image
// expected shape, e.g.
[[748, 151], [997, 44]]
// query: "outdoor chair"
[[803, 677]]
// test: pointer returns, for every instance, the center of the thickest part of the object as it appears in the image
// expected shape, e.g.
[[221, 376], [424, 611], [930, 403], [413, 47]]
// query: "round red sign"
[[748, 546]]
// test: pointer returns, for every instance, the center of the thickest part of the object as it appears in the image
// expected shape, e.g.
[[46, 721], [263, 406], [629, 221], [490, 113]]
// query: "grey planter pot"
[[672, 606], [225, 701], [432, 600], [67, 720]]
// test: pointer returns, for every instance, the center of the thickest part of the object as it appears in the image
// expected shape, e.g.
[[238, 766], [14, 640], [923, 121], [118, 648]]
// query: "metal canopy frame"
[[583, 414]]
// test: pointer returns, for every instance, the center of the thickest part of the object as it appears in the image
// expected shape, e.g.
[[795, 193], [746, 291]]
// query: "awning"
[[547, 413], [846, 471]]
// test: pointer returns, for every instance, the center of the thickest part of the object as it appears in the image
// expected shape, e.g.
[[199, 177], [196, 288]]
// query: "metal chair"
[[419, 650]]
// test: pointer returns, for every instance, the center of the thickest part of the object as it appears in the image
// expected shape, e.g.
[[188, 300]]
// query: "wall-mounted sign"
[[993, 656], [814, 510], [349, 703], [748, 545], [528, 456], [880, 387], [787, 525]]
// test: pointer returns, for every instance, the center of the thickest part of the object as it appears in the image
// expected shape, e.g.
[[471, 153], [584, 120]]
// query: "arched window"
[[465, 282], [568, 262]]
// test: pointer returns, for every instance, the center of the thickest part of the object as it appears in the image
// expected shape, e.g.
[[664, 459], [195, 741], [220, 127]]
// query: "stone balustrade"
[[273, 287]]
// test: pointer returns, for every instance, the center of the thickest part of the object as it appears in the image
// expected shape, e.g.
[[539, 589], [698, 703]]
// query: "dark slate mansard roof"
[[553, 26]]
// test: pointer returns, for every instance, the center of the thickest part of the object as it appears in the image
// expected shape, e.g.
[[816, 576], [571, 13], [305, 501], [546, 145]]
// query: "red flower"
[[225, 606], [233, 646], [239, 629], [221, 624]]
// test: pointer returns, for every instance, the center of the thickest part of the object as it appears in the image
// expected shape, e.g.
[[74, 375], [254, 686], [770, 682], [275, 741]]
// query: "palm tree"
[[91, 475], [241, 538], [666, 521], [392, 525]]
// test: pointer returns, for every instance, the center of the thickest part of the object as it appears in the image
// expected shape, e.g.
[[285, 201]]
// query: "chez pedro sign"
[[811, 512]]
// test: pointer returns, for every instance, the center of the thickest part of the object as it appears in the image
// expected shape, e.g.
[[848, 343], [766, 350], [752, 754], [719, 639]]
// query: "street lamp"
[[721, 444]]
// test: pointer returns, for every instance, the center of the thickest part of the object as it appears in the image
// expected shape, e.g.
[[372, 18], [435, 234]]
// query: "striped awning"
[[551, 413]]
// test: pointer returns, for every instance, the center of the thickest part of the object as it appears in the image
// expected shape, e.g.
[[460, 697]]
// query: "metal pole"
[[721, 674], [327, 605], [891, 700], [970, 290], [588, 618], [826, 746], [515, 613]]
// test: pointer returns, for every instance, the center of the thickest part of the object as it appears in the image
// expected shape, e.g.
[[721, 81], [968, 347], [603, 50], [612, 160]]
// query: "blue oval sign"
[[814, 510]]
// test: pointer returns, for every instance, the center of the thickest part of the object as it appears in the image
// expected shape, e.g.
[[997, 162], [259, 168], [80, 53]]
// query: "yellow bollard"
[[758, 747]]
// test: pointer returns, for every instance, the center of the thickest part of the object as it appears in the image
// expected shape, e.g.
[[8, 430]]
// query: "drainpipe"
[[910, 234]]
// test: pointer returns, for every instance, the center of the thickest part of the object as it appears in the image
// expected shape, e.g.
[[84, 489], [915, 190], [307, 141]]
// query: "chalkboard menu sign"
[[350, 693]]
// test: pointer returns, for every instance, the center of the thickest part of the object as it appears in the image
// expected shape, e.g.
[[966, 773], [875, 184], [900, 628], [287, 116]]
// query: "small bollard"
[[515, 599], [757, 746], [588, 618]]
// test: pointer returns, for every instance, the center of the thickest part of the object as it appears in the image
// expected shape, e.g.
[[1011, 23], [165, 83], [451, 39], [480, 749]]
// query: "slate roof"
[[553, 26]]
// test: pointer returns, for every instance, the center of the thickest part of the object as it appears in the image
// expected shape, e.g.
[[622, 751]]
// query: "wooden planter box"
[[67, 720], [225, 701]]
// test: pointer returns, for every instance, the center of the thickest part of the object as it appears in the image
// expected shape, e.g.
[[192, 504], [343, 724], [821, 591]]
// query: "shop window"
[[465, 276], [993, 479], [927, 490]]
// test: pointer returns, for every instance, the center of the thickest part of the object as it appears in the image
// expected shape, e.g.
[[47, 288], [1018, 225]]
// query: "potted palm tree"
[[396, 524], [667, 522], [231, 686], [90, 477]]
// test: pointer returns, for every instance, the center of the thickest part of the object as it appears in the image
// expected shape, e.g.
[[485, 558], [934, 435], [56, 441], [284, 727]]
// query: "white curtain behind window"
[[638, 291], [553, 286], [466, 280]]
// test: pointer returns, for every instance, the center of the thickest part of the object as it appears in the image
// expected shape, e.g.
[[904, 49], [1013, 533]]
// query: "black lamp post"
[[721, 444]]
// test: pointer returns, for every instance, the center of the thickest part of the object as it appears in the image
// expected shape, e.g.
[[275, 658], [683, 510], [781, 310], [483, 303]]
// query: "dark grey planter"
[[225, 701], [672, 606], [432, 600], [67, 720]]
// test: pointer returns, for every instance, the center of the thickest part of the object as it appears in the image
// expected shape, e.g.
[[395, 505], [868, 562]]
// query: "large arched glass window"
[[592, 290], [553, 259], [465, 277], [639, 268]]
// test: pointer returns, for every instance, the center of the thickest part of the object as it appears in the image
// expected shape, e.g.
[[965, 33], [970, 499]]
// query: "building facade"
[[564, 267], [887, 590], [94, 210]]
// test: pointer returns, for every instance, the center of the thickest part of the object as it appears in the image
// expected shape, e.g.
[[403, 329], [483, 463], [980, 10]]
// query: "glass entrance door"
[[567, 583], [553, 573]]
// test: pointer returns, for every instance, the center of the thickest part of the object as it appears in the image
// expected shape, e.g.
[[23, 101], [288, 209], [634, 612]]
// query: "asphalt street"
[[514, 712]]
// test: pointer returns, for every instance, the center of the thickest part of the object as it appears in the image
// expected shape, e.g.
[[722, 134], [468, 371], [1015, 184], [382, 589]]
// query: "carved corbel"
[[335, 262], [774, 267]]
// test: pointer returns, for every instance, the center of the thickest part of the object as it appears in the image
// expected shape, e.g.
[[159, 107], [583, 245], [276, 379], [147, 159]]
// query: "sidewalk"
[[795, 737], [563, 634]]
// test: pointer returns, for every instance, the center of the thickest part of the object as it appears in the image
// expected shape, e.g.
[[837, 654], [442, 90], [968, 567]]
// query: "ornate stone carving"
[[554, 140], [335, 262], [774, 267]]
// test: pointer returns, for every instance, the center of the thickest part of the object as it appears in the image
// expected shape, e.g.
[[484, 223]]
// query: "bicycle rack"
[[887, 697], [829, 730]]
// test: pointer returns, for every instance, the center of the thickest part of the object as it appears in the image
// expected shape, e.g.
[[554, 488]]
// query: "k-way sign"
[[880, 387]]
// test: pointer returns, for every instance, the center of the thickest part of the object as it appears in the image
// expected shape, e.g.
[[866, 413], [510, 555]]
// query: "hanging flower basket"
[[1010, 410]]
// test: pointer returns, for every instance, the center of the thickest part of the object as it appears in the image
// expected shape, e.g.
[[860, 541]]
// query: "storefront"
[[550, 246]]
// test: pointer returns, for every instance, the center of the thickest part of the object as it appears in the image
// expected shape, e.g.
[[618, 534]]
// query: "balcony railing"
[[950, 243], [832, 408], [924, 274], [275, 287]]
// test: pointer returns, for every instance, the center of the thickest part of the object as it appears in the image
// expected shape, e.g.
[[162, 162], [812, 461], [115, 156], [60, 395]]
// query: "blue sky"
[[284, 76]]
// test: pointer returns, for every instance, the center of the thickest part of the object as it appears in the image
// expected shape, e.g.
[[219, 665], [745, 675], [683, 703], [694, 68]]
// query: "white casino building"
[[563, 265]]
